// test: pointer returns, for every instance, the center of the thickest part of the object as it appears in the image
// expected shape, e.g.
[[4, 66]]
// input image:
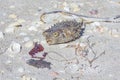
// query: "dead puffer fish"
[[63, 32]]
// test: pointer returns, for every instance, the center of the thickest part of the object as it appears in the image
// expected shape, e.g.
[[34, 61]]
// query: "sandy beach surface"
[[94, 56]]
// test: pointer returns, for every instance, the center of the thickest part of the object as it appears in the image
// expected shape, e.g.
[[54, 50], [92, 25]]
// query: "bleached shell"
[[14, 47]]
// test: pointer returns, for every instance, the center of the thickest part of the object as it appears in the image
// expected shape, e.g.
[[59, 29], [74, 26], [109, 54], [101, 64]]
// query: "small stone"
[[2, 72], [94, 24], [9, 30], [26, 39], [36, 40], [65, 4], [55, 5], [66, 7], [43, 42], [2, 22], [41, 22], [100, 29], [14, 47], [39, 8], [12, 6], [62, 45], [114, 33], [1, 35], [13, 16], [32, 28], [93, 12], [96, 27], [54, 74], [72, 68], [21, 21], [4, 14], [75, 7], [29, 44], [24, 77], [116, 36], [111, 75], [22, 34], [8, 62], [36, 14], [20, 70]]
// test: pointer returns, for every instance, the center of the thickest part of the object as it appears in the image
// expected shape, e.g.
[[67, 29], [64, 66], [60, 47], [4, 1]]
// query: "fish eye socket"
[[56, 34]]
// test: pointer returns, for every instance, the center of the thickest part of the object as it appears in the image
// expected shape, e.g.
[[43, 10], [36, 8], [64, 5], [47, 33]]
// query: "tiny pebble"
[[2, 72], [75, 7], [24, 77], [32, 28], [100, 29], [62, 46], [72, 68], [43, 42], [12, 6], [9, 30], [114, 33], [2, 22], [8, 62], [66, 7], [55, 5], [26, 39], [20, 70], [93, 12], [29, 44], [36, 14], [13, 16], [21, 21], [22, 34], [111, 75], [36, 40], [1, 35], [94, 24]]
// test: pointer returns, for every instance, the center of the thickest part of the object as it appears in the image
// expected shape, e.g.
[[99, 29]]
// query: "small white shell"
[[14, 47]]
